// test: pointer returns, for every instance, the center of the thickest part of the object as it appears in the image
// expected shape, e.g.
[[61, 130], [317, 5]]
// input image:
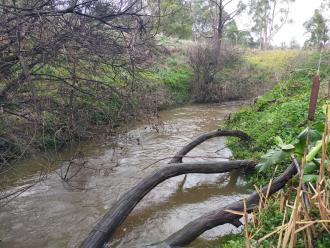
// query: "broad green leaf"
[[319, 126], [300, 144], [288, 147], [272, 157], [310, 167], [314, 135], [314, 151], [310, 178], [279, 141], [318, 161], [299, 147]]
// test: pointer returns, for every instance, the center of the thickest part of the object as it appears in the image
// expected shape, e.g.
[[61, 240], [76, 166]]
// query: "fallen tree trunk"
[[121, 209], [219, 217], [177, 158]]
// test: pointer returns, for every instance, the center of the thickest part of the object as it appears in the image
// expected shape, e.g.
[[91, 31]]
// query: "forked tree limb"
[[119, 212], [219, 217], [121, 209], [177, 158]]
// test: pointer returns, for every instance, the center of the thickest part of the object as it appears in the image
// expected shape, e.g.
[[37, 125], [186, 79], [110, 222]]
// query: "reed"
[[309, 202]]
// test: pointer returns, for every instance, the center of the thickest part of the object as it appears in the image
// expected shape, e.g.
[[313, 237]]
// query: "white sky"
[[300, 11]]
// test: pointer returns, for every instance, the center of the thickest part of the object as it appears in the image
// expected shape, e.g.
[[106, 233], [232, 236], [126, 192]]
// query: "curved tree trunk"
[[177, 158], [121, 209], [219, 217]]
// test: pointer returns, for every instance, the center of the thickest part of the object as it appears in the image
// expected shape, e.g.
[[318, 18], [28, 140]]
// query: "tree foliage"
[[202, 25], [175, 17], [211, 17], [268, 16], [317, 29], [238, 37]]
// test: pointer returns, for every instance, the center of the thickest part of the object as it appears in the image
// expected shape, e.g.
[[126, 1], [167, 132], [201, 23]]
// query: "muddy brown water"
[[54, 213]]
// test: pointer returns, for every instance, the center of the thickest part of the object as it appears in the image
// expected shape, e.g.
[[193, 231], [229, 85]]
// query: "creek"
[[56, 213]]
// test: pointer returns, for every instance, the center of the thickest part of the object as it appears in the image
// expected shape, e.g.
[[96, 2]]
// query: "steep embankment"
[[68, 112], [281, 112], [166, 79]]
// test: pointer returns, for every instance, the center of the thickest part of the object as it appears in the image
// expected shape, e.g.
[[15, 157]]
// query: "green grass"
[[178, 80], [175, 75], [271, 58], [280, 112]]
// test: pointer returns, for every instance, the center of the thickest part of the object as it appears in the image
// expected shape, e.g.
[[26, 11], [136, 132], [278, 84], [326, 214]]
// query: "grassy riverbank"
[[74, 111], [281, 112], [67, 115]]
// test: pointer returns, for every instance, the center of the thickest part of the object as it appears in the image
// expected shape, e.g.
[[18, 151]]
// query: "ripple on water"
[[55, 214]]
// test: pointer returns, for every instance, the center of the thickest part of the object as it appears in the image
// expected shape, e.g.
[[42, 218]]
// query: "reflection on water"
[[54, 213]]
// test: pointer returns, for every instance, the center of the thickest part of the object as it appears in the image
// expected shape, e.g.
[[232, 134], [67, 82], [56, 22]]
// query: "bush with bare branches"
[[68, 66], [224, 75]]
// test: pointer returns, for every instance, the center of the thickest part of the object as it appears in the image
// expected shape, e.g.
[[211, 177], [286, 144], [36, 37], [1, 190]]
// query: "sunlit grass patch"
[[272, 58]]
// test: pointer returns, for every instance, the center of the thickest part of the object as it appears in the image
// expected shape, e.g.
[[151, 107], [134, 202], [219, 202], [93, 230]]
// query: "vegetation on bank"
[[66, 74], [71, 69], [174, 74], [180, 72], [281, 111], [272, 59], [279, 117]]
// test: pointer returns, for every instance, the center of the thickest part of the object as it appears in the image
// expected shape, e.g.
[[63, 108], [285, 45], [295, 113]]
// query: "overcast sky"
[[300, 11]]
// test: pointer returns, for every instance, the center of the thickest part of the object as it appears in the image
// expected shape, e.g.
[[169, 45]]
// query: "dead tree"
[[177, 158], [118, 213], [221, 216], [122, 208]]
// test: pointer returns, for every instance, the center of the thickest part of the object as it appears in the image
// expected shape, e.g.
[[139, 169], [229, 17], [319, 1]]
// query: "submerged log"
[[121, 209], [177, 158], [219, 217]]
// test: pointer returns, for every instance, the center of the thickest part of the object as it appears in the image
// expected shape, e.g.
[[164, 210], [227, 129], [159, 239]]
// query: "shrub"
[[207, 61]]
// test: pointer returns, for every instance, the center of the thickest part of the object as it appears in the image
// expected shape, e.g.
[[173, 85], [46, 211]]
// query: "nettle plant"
[[282, 152]]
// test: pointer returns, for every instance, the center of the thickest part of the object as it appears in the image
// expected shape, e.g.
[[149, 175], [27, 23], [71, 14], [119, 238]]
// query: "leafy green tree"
[[236, 36], [175, 18], [221, 18], [231, 32], [317, 29], [202, 24], [211, 17], [268, 16]]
